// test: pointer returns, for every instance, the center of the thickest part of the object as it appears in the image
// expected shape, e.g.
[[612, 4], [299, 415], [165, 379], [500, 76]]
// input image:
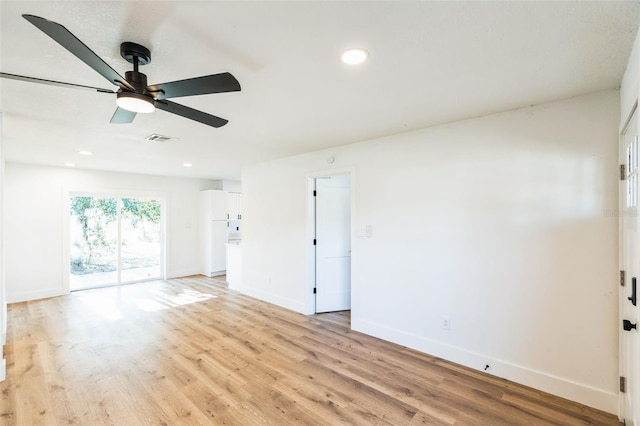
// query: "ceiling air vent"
[[158, 138]]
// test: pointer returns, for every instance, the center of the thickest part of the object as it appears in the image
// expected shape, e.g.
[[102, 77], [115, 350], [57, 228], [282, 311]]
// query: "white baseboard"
[[287, 303], [184, 272], [3, 370], [597, 398], [26, 296]]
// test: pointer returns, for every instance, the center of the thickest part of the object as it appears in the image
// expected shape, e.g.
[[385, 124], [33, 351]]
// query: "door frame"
[[623, 290], [67, 193], [311, 232]]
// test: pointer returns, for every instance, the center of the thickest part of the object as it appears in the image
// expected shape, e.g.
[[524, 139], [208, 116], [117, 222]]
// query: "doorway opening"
[[114, 240], [332, 242]]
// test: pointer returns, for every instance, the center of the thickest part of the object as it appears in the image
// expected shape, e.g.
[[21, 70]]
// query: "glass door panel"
[[140, 240], [94, 242]]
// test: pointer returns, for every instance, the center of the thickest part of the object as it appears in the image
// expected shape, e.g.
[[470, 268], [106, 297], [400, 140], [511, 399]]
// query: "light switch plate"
[[368, 231]]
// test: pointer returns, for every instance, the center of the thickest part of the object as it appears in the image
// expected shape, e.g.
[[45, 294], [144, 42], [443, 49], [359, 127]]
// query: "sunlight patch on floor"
[[166, 301], [158, 300], [104, 306]]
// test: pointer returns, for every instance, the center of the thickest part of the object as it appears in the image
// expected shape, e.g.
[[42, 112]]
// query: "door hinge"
[[314, 241], [623, 384], [315, 193], [314, 290], [623, 171], [622, 276]]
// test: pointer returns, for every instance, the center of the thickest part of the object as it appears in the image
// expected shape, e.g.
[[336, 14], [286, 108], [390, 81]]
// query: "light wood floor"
[[190, 352]]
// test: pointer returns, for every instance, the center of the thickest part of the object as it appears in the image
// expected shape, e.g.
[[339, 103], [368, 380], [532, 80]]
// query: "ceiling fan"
[[134, 95]]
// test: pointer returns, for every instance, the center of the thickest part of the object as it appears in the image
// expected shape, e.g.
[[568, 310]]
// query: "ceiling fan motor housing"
[[138, 80]]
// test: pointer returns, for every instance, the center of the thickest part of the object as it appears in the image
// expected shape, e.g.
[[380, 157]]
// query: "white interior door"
[[630, 256], [333, 243]]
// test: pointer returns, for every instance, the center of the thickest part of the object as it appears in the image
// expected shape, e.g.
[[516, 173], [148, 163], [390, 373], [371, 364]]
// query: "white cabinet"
[[214, 232], [214, 204], [234, 205]]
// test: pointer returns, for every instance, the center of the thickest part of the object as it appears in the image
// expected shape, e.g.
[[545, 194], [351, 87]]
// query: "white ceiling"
[[430, 63]]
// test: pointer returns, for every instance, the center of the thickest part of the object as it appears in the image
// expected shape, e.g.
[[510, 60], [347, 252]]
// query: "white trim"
[[181, 273], [66, 241], [35, 295], [311, 253], [285, 302], [627, 121], [584, 394], [3, 301]]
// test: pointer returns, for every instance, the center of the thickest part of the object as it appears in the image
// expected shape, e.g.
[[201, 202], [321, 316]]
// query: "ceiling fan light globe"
[[135, 102]]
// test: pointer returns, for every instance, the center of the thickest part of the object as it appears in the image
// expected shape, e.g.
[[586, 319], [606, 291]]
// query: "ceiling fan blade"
[[52, 82], [190, 113], [123, 116], [216, 83], [70, 42]]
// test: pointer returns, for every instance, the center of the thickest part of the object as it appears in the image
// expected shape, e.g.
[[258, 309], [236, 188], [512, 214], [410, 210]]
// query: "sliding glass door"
[[114, 240]]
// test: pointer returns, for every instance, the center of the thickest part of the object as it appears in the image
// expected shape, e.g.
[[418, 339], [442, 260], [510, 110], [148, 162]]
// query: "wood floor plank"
[[189, 351]]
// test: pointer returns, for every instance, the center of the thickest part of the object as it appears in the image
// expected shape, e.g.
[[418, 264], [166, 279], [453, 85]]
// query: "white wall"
[[34, 222], [232, 185], [505, 224]]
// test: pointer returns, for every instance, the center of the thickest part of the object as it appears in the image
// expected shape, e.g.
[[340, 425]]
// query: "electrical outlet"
[[446, 323]]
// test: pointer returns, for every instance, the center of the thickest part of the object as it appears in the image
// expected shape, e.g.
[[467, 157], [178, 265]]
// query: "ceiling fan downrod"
[[136, 54]]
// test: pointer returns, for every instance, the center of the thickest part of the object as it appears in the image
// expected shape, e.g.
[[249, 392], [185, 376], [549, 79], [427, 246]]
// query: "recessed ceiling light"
[[85, 152], [354, 56], [187, 164], [69, 164]]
